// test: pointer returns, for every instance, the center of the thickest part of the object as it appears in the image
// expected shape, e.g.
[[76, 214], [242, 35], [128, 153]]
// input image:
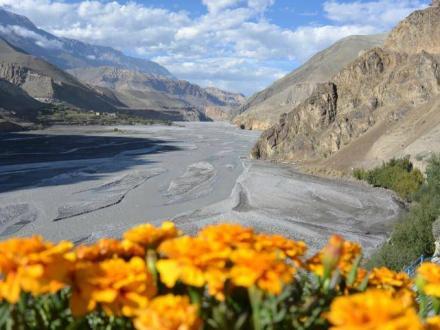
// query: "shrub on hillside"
[[412, 235], [398, 175]]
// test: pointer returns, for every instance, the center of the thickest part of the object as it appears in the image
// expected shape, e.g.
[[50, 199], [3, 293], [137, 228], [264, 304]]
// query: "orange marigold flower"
[[119, 287], [338, 254], [384, 278], [109, 248], [168, 313], [277, 243], [195, 262], [429, 275], [33, 265], [150, 236], [265, 270], [372, 310], [229, 235], [433, 323]]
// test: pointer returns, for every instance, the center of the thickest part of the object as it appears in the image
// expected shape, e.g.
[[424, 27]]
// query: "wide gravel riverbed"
[[84, 183]]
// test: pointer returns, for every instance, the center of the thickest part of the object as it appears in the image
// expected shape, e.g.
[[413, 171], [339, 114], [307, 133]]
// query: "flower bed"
[[226, 277]]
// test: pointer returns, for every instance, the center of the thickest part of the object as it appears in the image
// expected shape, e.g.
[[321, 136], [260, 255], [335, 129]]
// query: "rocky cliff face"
[[382, 87], [263, 109], [419, 32], [46, 83], [290, 136]]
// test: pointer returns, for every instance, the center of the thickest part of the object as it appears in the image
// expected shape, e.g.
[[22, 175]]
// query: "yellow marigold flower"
[[265, 270], [384, 278], [195, 262], [372, 310], [33, 265], [150, 236], [109, 248], [216, 279], [168, 313], [277, 243], [429, 274], [16, 249], [433, 323], [229, 235], [338, 254], [361, 276], [119, 287]]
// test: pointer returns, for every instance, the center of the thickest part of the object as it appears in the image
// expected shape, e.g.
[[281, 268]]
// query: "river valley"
[[84, 183]]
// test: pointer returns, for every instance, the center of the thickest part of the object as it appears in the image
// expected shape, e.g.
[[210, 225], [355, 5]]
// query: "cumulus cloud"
[[233, 44], [223, 72]]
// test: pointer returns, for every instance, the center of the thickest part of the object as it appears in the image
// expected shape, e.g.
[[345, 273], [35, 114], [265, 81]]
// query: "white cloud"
[[383, 14], [224, 72], [233, 44], [217, 5], [260, 5], [25, 33]]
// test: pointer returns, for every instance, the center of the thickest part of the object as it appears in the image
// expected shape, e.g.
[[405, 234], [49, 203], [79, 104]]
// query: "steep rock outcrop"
[[290, 136], [382, 85], [45, 82], [263, 109], [417, 33]]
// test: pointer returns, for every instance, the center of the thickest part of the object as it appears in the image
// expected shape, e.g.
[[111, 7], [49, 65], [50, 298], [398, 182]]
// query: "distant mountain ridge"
[[139, 90], [68, 53], [124, 82], [264, 108]]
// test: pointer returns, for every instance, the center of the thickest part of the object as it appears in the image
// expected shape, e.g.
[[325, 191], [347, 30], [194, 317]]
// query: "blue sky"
[[286, 13], [238, 45]]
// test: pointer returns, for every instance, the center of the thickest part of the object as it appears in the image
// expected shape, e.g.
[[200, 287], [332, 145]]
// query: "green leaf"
[[5, 314]]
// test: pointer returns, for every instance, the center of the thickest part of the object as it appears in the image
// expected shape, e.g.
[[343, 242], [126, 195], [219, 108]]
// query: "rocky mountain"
[[141, 91], [115, 81], [264, 108], [234, 100], [46, 83], [68, 53], [384, 104]]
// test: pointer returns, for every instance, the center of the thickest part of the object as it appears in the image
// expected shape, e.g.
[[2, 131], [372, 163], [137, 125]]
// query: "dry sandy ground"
[[85, 183]]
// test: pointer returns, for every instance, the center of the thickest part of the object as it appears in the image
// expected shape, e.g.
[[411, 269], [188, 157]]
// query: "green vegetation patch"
[[398, 175], [412, 235], [62, 115]]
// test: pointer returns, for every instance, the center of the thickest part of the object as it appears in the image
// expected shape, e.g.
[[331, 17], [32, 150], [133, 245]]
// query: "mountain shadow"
[[29, 160]]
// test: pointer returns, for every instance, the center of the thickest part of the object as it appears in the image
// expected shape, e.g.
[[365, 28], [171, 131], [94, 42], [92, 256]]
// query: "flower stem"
[[151, 264], [423, 312], [255, 297]]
